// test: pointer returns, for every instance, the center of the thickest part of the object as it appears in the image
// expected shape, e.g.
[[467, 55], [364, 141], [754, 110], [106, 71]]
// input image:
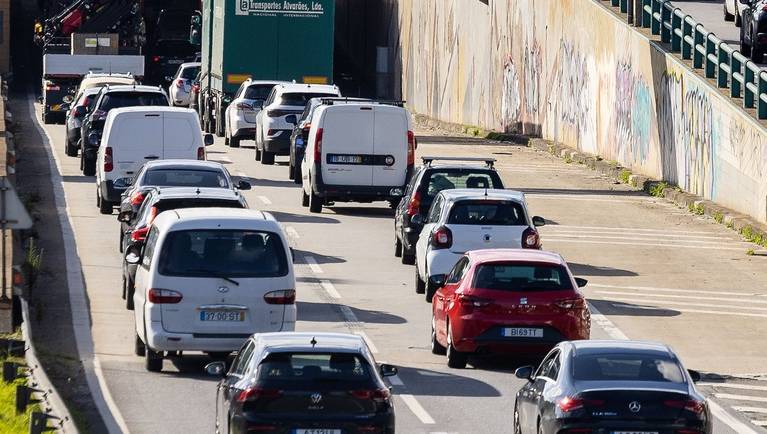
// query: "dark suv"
[[753, 29], [427, 181], [109, 98]]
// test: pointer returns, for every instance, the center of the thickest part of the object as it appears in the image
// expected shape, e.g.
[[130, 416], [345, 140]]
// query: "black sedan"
[[753, 29], [609, 387]]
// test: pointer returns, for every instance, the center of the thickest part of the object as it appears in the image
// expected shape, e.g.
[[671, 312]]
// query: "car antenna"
[[313, 341], [485, 191], [198, 190]]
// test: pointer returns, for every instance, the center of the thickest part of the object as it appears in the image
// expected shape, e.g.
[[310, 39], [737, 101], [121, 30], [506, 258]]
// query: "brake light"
[[318, 146], [179, 83], [200, 153], [137, 198], [108, 166], [155, 59], [531, 239], [571, 403], [164, 296], [377, 395], [244, 106], [570, 303], [411, 146], [470, 302], [692, 405], [442, 238], [414, 206], [282, 296], [196, 87], [271, 132], [152, 215], [51, 87], [139, 235], [255, 393]]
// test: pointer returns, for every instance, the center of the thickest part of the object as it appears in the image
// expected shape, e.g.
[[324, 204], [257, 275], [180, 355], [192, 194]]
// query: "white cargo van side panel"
[[347, 134], [135, 138], [181, 136], [390, 138]]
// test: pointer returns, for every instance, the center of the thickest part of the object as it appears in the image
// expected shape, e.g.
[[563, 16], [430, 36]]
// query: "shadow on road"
[[609, 307], [320, 259], [285, 217], [374, 212], [317, 312], [258, 182], [595, 270], [462, 140], [425, 382], [193, 367], [79, 179]]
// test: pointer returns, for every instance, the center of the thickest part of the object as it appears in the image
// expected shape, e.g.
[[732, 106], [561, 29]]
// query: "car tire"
[[153, 360], [297, 174], [420, 285], [745, 49], [122, 240], [258, 153], [139, 348], [728, 16], [397, 247], [304, 199], [430, 291], [315, 203], [757, 54], [436, 347], [455, 358], [407, 258], [226, 141], [89, 166], [517, 428], [47, 118], [70, 149], [291, 171], [218, 355], [105, 206], [267, 158], [129, 291], [234, 142]]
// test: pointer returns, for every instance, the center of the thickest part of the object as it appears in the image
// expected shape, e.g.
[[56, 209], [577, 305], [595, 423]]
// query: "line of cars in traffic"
[[203, 272]]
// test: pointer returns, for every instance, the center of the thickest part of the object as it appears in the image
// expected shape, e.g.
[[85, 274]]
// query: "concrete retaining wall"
[[571, 71]]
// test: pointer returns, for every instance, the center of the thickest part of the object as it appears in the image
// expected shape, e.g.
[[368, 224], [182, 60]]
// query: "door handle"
[[151, 157]]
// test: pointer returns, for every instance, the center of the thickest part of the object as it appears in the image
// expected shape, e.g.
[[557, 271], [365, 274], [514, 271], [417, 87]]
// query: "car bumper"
[[481, 337], [110, 192], [242, 128], [608, 427], [278, 143], [181, 99], [441, 261], [160, 340], [378, 423], [410, 236]]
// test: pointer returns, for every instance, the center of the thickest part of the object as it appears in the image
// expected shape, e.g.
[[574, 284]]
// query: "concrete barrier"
[[573, 72]]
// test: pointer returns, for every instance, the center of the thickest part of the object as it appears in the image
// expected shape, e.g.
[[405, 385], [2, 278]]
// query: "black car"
[[426, 182], [753, 29], [610, 387], [159, 200], [111, 97], [291, 383], [194, 95], [300, 134], [170, 46], [74, 120]]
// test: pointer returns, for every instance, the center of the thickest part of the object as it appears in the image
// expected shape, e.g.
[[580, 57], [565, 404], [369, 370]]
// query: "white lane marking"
[[330, 289], [81, 317], [683, 303], [265, 200], [662, 296], [565, 240], [417, 409], [312, 263], [682, 309], [734, 386], [371, 345], [643, 238], [606, 325], [396, 381], [554, 230], [741, 397], [741, 409], [658, 231], [580, 198], [292, 232], [694, 291]]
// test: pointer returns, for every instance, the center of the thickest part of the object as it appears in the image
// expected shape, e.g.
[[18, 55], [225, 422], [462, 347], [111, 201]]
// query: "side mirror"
[[418, 219], [694, 375], [133, 255], [524, 373], [388, 370], [216, 369], [539, 221], [125, 216], [243, 185], [208, 139], [438, 280], [581, 282], [291, 119]]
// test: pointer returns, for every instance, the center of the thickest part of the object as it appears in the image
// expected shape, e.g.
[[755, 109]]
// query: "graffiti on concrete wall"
[[531, 79], [749, 148], [510, 102], [571, 93], [631, 118]]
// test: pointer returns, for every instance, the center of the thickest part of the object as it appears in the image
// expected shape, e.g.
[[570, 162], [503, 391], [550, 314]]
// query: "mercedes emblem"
[[635, 406]]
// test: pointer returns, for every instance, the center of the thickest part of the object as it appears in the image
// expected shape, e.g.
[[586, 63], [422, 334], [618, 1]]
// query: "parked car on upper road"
[[304, 383], [753, 30], [74, 120], [516, 301], [240, 114], [733, 11], [181, 85], [610, 387]]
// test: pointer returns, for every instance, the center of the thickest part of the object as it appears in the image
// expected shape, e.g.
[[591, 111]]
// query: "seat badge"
[[523, 300]]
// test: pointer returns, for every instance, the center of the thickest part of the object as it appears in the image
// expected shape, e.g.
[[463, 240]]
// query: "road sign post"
[[13, 215]]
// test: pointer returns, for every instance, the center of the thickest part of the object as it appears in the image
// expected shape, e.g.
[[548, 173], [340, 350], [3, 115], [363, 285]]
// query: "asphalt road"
[[711, 15], [656, 272]]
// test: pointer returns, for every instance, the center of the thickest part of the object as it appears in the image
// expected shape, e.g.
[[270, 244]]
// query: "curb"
[[469, 130]]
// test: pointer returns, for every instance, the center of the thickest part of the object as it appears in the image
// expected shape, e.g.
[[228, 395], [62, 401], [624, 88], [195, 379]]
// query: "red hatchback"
[[507, 300]]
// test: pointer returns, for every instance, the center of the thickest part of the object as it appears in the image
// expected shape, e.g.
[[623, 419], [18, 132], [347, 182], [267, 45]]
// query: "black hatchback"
[[426, 182], [607, 387]]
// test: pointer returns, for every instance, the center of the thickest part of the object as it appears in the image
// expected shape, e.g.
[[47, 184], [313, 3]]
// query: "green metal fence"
[[718, 60]]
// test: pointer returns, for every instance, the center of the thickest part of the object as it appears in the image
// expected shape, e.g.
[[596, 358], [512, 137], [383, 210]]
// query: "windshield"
[[185, 178], [522, 277], [626, 367], [308, 368], [132, 99], [258, 91], [190, 72], [302, 98], [230, 253], [437, 180], [487, 212]]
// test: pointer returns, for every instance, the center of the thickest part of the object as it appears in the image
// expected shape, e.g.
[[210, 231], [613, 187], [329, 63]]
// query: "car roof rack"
[[332, 100], [489, 161]]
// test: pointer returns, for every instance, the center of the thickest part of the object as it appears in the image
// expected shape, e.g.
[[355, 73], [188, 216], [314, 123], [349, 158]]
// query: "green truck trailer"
[[264, 40]]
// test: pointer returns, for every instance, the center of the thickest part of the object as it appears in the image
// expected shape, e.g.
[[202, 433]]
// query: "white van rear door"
[[390, 140], [347, 145], [181, 136], [137, 140]]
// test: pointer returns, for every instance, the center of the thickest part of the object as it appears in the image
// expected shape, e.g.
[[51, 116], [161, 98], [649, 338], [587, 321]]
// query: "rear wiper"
[[215, 273]]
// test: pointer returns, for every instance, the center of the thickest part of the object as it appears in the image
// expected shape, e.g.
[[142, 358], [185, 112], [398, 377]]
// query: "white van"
[[207, 279], [134, 135], [357, 152]]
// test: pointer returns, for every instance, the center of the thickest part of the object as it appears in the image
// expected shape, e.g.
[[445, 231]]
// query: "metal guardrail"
[[718, 60]]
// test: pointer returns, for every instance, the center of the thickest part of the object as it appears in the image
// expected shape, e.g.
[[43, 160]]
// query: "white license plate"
[[346, 159], [520, 332], [317, 431], [222, 315]]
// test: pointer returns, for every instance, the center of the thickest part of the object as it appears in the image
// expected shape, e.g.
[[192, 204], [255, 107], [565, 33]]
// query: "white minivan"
[[207, 279], [357, 152], [134, 135]]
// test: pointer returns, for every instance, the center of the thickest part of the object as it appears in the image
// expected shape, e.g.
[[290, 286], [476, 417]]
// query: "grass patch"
[[32, 262], [696, 209], [753, 236], [657, 189], [750, 252], [718, 217], [568, 159], [624, 176], [10, 421]]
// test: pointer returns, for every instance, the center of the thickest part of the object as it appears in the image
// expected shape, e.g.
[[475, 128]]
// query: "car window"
[[231, 253], [271, 97], [414, 180], [436, 208], [445, 179], [546, 368], [289, 367], [151, 243], [636, 366], [240, 364], [258, 92], [165, 177], [132, 99], [300, 98], [514, 276], [459, 270], [190, 72], [487, 212], [240, 90]]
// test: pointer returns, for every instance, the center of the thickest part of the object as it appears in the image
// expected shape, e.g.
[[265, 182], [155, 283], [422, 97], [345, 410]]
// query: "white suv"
[[240, 115], [470, 219], [207, 279], [272, 129]]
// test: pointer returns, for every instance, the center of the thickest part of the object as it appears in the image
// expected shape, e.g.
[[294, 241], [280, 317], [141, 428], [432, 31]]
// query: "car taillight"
[[531, 239], [200, 153], [108, 166], [255, 393], [442, 238], [282, 296], [469, 302], [244, 106], [139, 235], [318, 146], [378, 395], [52, 87], [99, 115], [572, 403], [410, 148], [693, 405], [570, 303], [179, 83], [164, 296], [137, 198], [414, 206], [196, 87], [152, 214], [155, 59]]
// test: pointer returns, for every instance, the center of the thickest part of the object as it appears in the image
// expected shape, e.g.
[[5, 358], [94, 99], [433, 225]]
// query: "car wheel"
[[297, 175], [744, 48], [234, 142], [738, 20], [291, 171], [129, 291], [267, 158], [105, 206], [153, 360], [430, 290], [304, 198], [757, 54], [258, 153], [70, 149], [436, 347], [455, 358], [122, 240], [517, 428], [420, 285], [89, 166], [728, 16], [47, 118], [139, 348], [397, 247], [315, 203], [226, 140], [218, 355], [407, 258]]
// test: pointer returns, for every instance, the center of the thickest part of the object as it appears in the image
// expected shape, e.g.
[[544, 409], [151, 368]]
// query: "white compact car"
[[240, 115], [733, 11], [272, 129], [469, 219], [134, 135], [357, 152], [181, 86], [207, 279]]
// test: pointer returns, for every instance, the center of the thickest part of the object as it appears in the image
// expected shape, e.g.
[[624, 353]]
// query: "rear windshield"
[[314, 368], [626, 367], [190, 72], [230, 253], [132, 99], [146, 214], [448, 179], [522, 277], [487, 212], [185, 178], [258, 91], [302, 98]]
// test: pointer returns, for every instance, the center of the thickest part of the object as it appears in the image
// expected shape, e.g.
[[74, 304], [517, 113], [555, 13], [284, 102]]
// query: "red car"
[[507, 300]]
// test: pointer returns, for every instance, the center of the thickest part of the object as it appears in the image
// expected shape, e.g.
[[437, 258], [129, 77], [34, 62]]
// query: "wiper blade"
[[215, 273]]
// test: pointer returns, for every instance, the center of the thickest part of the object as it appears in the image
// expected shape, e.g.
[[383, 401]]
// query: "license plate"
[[222, 315], [316, 431], [346, 159], [519, 332]]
